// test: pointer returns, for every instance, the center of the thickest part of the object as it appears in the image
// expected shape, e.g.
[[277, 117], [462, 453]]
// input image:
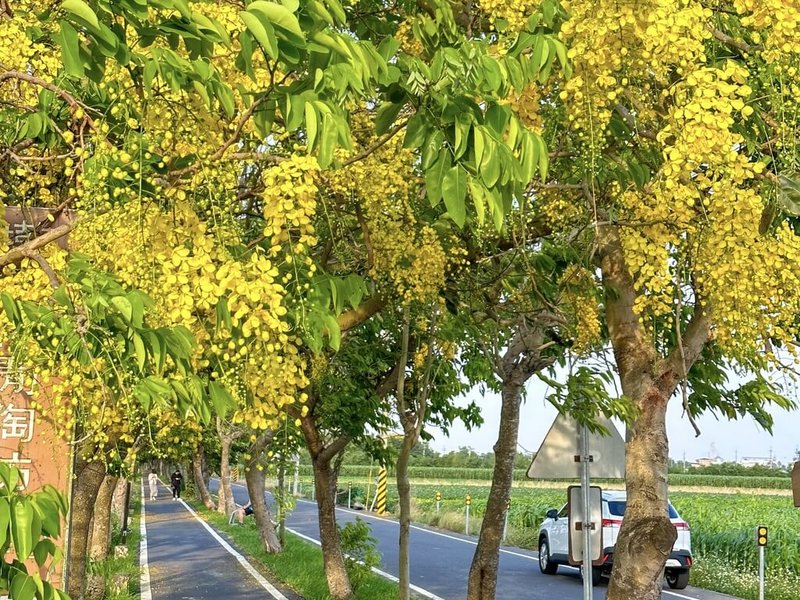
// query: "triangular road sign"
[[556, 456]]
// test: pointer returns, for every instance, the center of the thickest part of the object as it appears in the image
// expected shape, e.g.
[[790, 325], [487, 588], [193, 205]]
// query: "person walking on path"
[[152, 479], [176, 479]]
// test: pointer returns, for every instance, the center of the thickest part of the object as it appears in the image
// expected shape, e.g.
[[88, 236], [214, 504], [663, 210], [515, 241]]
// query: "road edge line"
[[271, 589], [367, 515], [146, 593], [376, 570]]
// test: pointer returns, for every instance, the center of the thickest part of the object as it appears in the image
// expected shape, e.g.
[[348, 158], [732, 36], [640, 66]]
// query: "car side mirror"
[[552, 514]]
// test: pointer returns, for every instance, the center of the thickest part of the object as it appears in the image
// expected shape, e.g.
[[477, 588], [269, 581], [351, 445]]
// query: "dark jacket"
[[176, 479]]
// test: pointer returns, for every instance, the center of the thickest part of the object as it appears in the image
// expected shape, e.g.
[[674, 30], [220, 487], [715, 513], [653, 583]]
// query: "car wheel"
[[597, 575], [545, 566], [677, 580]]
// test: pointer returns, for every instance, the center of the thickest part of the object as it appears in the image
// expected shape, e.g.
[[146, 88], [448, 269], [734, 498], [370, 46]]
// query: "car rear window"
[[617, 508]]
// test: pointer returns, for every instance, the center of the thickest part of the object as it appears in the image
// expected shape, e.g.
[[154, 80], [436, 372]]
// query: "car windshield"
[[617, 509]]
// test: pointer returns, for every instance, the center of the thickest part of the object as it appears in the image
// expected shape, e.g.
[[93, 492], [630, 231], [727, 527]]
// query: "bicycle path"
[[182, 558]]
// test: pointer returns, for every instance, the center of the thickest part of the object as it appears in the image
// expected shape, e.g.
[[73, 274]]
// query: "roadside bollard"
[[468, 501], [438, 501], [349, 494]]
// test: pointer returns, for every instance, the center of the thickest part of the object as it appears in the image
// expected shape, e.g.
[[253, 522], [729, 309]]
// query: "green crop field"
[[722, 526]]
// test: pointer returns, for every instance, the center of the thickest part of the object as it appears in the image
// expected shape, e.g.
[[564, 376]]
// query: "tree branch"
[[73, 103], [355, 317], [361, 156], [29, 248], [730, 41]]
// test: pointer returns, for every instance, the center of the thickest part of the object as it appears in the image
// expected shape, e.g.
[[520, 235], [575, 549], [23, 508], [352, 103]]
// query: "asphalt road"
[[185, 561], [440, 561]]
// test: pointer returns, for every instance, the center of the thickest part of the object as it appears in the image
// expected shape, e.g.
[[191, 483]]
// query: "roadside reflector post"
[[505, 523], [380, 506], [796, 484], [349, 494], [467, 501], [438, 501], [762, 537]]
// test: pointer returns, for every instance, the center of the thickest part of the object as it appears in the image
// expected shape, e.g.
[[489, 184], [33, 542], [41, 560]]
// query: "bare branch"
[[362, 155], [29, 248]]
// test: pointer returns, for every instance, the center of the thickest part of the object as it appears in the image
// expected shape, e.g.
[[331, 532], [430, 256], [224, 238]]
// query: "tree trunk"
[[199, 480], [255, 489], [647, 535], [225, 503], [482, 581], [118, 502], [88, 480], [404, 492], [101, 531], [333, 558]]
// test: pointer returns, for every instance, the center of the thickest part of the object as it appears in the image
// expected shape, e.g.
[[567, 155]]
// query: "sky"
[[730, 440]]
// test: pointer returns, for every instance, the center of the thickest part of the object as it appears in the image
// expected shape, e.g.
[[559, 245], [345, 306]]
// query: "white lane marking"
[[678, 595], [384, 574], [426, 530], [242, 560], [144, 576]]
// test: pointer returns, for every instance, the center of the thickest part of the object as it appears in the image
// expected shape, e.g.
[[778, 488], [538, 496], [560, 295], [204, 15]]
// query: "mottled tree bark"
[[225, 502], [255, 489], [101, 530], [333, 558], [88, 480], [199, 478]]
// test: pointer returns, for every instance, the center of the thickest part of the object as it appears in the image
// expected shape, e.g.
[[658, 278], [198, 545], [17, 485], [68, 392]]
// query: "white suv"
[[554, 544]]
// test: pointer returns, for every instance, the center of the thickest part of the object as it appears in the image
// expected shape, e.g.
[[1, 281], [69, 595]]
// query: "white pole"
[[761, 573], [466, 524], [505, 528], [587, 533]]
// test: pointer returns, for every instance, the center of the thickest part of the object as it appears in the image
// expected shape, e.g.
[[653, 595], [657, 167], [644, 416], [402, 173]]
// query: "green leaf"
[[70, 50], [333, 330], [141, 355], [479, 145], [416, 131], [262, 30], [22, 587], [282, 18], [81, 10], [10, 308], [223, 314], [435, 176], [21, 526], [42, 550], [454, 191], [5, 520], [477, 192], [220, 398], [387, 113], [311, 125], [544, 158], [124, 307]]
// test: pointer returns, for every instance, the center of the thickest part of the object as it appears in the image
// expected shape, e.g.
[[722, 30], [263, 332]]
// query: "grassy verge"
[[299, 566], [740, 580], [121, 573]]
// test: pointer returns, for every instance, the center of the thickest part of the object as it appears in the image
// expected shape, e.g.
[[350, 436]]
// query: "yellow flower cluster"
[[613, 44], [516, 12], [778, 21], [290, 205], [188, 271], [580, 305], [526, 105]]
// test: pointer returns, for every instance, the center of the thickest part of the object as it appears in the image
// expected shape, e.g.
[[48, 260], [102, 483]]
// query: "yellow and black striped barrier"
[[380, 503]]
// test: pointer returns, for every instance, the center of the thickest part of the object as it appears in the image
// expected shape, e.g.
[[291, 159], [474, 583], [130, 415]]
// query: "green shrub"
[[360, 552]]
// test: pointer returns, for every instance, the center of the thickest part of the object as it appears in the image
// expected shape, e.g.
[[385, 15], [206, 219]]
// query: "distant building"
[[759, 461], [706, 462]]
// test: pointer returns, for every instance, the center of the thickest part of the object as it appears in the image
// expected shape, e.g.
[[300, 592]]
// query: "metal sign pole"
[[761, 573], [586, 528]]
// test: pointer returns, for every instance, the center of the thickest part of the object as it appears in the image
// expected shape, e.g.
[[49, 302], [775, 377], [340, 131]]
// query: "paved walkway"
[[184, 559]]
